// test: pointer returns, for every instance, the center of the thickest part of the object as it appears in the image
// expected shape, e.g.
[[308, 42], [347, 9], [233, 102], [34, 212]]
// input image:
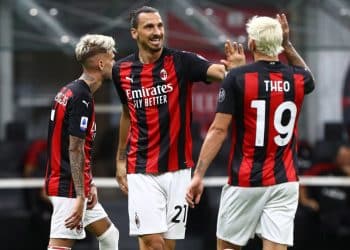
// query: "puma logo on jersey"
[[86, 103], [129, 79]]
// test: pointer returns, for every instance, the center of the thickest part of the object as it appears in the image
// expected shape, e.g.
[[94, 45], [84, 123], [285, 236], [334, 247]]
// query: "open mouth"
[[155, 41]]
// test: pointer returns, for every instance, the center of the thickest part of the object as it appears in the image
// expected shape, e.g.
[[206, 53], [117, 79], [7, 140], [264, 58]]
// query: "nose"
[[157, 31]]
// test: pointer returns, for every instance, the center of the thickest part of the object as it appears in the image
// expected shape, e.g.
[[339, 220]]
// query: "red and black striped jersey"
[[159, 98], [73, 114], [265, 99]]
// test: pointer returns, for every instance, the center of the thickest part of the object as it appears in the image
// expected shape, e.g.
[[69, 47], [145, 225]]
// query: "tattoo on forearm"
[[77, 159], [201, 167], [293, 57], [122, 154]]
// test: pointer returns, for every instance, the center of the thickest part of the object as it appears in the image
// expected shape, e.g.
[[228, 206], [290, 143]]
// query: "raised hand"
[[234, 55], [285, 28]]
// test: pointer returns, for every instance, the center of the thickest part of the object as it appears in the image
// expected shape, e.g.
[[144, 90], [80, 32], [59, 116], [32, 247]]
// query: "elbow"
[[218, 132]]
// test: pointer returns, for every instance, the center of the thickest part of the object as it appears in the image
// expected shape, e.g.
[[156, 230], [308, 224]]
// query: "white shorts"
[[157, 203], [62, 208], [266, 211]]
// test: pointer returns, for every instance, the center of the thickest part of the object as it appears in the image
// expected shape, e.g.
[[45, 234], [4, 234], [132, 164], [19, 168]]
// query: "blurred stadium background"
[[37, 39]]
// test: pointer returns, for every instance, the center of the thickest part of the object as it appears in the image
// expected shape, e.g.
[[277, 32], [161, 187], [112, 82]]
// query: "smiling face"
[[149, 32]]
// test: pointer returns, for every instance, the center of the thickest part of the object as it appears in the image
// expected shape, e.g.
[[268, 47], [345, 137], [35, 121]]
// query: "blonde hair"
[[267, 33], [93, 44]]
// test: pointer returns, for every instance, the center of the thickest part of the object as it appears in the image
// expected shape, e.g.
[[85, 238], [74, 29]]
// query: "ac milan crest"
[[80, 227], [163, 74], [137, 220]]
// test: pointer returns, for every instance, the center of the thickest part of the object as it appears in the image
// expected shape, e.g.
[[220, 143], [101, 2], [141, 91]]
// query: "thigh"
[[177, 209], [277, 220], [146, 205], [170, 244], [97, 213], [62, 208], [61, 243], [98, 227], [239, 213], [224, 245], [156, 240], [269, 245]]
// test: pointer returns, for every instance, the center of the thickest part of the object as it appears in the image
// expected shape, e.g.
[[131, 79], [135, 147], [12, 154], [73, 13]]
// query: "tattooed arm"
[[121, 153], [292, 55], [77, 159], [235, 57], [211, 146]]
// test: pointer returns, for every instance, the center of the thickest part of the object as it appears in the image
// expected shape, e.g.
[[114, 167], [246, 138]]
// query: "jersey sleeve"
[[195, 66], [309, 83], [117, 84], [80, 111], [226, 98]]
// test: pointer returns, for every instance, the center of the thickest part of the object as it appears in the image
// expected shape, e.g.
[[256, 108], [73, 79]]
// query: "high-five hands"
[[234, 55]]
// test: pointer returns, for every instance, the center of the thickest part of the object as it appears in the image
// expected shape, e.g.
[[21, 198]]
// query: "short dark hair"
[[135, 14]]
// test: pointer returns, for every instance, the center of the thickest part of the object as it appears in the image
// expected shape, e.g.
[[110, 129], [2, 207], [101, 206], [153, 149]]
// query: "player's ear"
[[133, 32], [101, 64], [251, 45]]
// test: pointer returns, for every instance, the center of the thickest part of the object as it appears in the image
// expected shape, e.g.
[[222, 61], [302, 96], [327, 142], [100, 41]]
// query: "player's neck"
[[261, 57], [146, 57], [93, 81]]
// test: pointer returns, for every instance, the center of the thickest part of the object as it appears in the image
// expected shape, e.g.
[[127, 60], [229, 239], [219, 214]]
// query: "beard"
[[155, 49]]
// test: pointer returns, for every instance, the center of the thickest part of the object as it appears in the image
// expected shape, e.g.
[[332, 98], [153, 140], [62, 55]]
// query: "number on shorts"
[[286, 130], [179, 209]]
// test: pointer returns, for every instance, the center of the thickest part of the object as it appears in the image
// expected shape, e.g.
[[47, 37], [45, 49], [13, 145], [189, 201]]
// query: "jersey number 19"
[[285, 131]]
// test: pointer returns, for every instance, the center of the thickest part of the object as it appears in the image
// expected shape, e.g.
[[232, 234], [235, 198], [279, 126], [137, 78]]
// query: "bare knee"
[[152, 242]]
